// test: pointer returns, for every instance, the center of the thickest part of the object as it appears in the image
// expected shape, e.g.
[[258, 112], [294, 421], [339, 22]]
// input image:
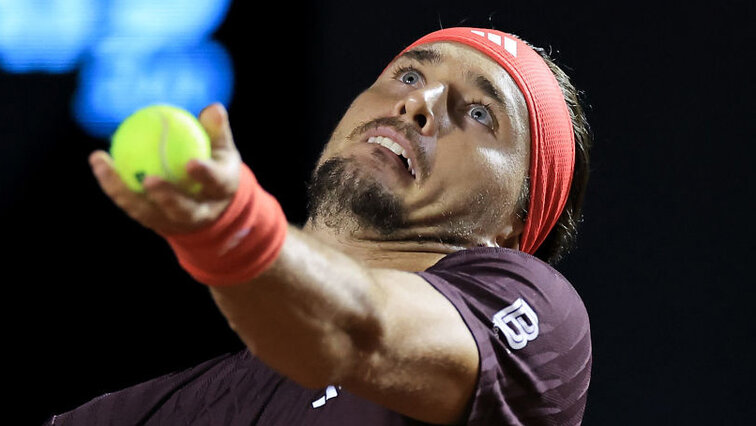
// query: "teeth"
[[388, 143], [394, 147]]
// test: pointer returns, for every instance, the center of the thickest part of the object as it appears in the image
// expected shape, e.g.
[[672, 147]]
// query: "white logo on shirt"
[[330, 392], [518, 322]]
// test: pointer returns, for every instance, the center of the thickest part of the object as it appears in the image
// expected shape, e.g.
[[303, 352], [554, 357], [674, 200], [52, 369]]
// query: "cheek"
[[498, 171], [506, 168], [495, 163], [371, 104], [368, 106]]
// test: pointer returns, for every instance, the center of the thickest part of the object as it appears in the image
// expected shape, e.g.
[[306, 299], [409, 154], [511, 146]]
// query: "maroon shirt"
[[529, 324]]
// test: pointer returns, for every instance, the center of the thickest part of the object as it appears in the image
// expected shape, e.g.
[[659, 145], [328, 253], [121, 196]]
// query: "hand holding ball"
[[229, 210], [149, 172], [159, 140]]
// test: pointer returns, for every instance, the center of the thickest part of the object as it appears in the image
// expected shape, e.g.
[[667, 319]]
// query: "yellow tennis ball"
[[159, 140]]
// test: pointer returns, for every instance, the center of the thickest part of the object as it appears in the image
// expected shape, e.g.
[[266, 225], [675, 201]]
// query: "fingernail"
[[220, 112]]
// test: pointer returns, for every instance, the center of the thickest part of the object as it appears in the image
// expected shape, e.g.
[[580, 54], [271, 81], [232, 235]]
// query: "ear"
[[511, 242], [509, 237]]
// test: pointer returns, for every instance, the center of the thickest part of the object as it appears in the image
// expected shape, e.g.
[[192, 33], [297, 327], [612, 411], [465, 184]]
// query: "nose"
[[425, 107]]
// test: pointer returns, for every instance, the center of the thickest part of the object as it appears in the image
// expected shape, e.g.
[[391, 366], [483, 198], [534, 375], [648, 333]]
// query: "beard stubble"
[[340, 197]]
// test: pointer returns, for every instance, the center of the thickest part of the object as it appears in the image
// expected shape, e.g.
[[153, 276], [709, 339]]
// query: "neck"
[[408, 256]]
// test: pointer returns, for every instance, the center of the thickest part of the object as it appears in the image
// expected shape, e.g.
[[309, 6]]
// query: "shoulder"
[[532, 333], [486, 260], [501, 274]]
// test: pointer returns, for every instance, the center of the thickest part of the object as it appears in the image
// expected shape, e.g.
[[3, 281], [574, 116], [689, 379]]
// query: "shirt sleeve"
[[532, 333]]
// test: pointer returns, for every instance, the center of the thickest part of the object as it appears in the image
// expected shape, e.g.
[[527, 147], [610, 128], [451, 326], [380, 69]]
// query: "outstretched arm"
[[320, 317], [315, 314]]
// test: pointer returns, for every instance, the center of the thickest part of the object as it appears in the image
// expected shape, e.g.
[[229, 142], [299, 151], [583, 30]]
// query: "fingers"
[[166, 207], [109, 180], [206, 174], [214, 119], [219, 179], [138, 206], [134, 204], [175, 204]]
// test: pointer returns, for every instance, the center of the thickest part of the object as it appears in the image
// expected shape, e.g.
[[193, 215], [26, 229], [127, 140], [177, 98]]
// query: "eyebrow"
[[433, 57], [484, 85], [424, 56]]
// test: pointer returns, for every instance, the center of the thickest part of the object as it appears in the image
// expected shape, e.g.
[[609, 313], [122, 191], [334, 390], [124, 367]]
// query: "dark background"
[[96, 303]]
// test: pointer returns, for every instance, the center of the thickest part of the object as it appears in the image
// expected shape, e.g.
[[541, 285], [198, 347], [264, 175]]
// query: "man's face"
[[463, 124]]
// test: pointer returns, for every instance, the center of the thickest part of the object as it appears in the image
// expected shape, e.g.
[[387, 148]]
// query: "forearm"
[[309, 313]]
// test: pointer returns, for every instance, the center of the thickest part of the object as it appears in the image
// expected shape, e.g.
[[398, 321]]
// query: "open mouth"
[[396, 149]]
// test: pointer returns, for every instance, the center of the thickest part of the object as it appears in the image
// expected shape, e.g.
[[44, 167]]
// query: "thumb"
[[214, 118], [100, 157]]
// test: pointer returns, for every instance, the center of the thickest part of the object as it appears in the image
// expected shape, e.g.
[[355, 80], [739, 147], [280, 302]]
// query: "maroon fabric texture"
[[544, 382]]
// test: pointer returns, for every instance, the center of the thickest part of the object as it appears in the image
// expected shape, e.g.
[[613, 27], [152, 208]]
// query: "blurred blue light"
[[131, 53], [157, 23], [114, 84], [46, 35]]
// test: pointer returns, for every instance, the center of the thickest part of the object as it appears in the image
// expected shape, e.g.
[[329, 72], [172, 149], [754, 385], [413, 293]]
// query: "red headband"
[[552, 153]]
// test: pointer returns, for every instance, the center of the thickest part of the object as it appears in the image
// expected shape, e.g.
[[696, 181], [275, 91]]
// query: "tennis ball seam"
[[164, 147]]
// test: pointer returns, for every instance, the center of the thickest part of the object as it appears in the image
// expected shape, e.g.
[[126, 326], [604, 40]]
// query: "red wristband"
[[241, 244]]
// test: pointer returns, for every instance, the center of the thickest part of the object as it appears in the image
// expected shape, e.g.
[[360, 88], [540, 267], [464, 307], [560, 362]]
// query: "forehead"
[[450, 51]]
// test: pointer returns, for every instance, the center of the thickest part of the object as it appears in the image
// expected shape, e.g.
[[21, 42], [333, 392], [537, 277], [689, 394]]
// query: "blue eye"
[[410, 77], [482, 115]]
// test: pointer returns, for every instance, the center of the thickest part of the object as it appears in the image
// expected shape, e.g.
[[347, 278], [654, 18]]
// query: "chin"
[[338, 191]]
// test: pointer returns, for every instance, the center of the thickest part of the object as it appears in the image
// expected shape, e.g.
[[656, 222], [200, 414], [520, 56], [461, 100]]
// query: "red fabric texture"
[[552, 155], [241, 243]]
